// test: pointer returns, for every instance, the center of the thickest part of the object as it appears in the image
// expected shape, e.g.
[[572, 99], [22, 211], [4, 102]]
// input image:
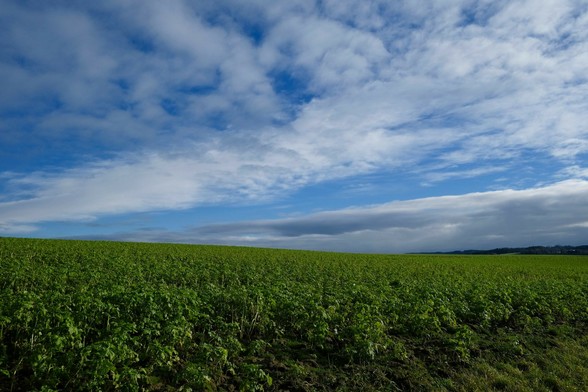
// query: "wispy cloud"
[[432, 176]]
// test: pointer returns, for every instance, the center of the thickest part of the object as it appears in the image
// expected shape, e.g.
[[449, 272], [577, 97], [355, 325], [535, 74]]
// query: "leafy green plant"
[[104, 316]]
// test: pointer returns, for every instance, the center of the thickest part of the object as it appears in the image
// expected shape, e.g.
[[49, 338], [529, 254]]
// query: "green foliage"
[[100, 316]]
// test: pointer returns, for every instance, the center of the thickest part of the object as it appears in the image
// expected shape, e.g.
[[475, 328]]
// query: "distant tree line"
[[531, 250]]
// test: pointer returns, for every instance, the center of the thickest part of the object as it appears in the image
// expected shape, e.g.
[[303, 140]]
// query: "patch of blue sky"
[[247, 22], [21, 60], [170, 106], [576, 80], [561, 43], [204, 88], [217, 120], [42, 104], [373, 188], [579, 11], [165, 220], [292, 85], [479, 14], [28, 151], [176, 100], [122, 84], [30, 157], [141, 43], [98, 227], [465, 183], [528, 170], [254, 31], [198, 89]]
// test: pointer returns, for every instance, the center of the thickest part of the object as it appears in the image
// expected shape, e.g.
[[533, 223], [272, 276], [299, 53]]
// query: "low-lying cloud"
[[555, 214]]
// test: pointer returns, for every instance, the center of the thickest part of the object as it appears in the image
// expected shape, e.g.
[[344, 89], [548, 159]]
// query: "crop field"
[[103, 316]]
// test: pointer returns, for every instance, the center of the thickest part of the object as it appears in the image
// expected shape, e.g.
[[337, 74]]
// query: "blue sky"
[[365, 126]]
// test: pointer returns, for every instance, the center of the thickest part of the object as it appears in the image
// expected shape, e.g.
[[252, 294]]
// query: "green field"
[[102, 316]]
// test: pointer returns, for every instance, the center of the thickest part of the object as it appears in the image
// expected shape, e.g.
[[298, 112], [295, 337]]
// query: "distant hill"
[[531, 250]]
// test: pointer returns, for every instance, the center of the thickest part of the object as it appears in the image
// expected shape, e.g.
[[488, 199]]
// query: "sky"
[[339, 125]]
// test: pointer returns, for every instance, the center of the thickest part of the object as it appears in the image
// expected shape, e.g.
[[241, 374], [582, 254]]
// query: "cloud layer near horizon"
[[133, 106], [549, 215]]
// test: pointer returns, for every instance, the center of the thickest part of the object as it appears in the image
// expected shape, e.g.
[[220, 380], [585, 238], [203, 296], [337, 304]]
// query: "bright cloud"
[[133, 106]]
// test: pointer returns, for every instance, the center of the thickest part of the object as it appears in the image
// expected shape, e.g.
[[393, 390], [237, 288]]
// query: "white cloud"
[[334, 55], [504, 76], [12, 229], [461, 174], [574, 171]]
